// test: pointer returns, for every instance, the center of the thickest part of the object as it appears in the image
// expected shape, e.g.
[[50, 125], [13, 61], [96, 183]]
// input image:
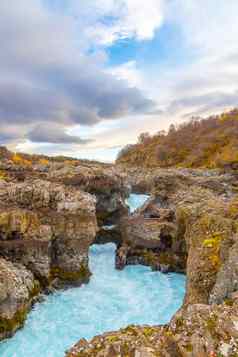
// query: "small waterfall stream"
[[135, 201], [113, 299]]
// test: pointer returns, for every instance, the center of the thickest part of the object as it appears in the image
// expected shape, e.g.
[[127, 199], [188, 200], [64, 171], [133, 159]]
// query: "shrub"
[[210, 143], [19, 160]]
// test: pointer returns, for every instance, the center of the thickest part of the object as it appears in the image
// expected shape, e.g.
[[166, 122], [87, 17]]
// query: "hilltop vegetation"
[[28, 160], [208, 143]]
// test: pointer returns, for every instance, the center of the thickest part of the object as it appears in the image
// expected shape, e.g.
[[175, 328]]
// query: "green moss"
[[130, 330], [148, 331], [211, 324], [229, 302], [212, 245], [36, 289], [149, 257], [82, 274], [165, 258], [112, 338], [189, 347], [179, 322], [7, 326]]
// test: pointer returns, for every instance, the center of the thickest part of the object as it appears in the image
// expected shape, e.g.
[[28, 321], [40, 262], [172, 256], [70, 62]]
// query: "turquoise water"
[[113, 299], [135, 201]]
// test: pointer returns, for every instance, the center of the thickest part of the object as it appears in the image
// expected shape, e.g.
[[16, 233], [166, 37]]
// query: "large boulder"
[[192, 230], [210, 233], [18, 287], [48, 228], [151, 237], [227, 278]]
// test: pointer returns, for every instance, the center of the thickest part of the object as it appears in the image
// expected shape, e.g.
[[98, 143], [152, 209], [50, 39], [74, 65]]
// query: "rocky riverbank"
[[188, 225], [50, 213], [52, 210], [197, 331]]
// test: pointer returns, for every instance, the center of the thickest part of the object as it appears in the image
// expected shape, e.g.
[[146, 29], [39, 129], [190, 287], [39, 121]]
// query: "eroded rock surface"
[[18, 287], [49, 215], [150, 237], [46, 229], [198, 331], [190, 222], [105, 183], [50, 211]]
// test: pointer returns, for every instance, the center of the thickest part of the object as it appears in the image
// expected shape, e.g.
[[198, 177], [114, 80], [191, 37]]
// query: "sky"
[[84, 78]]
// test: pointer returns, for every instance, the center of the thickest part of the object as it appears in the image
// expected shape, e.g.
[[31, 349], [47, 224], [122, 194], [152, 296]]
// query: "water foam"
[[113, 299]]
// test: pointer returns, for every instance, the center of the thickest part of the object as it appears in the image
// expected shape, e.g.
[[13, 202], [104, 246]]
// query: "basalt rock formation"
[[18, 287], [45, 232], [156, 234], [47, 227], [105, 183], [198, 331], [109, 188], [50, 213], [189, 224], [150, 238], [52, 210], [102, 180]]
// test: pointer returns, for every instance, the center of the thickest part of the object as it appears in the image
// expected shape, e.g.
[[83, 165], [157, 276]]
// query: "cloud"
[[56, 77], [209, 27], [53, 133], [121, 19], [49, 75], [6, 137], [129, 72], [201, 104], [10, 133], [203, 77]]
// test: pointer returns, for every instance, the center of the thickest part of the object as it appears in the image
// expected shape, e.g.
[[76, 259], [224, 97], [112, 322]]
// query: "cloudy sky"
[[85, 77]]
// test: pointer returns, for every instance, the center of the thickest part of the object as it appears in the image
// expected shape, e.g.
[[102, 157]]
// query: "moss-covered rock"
[[18, 290], [9, 326], [70, 277], [198, 330]]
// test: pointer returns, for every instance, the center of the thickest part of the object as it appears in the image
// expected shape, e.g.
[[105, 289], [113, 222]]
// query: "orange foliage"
[[3, 175], [19, 160], [210, 143], [44, 162]]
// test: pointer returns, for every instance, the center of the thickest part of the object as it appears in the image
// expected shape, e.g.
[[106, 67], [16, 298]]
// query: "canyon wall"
[[50, 214], [189, 224]]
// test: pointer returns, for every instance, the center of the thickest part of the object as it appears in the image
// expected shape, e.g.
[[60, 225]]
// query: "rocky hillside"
[[210, 143], [51, 211]]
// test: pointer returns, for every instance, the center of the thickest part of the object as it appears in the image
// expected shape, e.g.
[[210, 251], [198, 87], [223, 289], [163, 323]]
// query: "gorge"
[[118, 178], [53, 214], [111, 300]]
